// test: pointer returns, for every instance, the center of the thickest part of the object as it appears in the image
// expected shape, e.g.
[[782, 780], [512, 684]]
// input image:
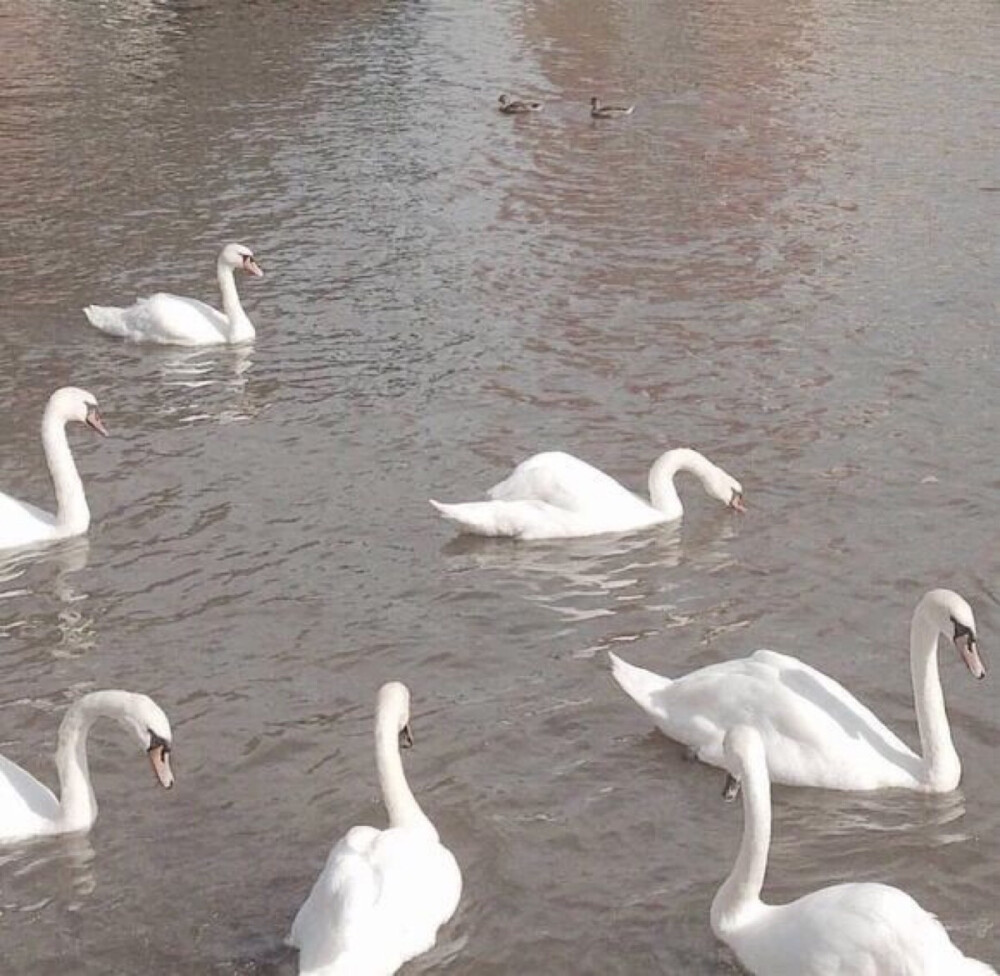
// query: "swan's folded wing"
[[512, 520], [819, 691], [563, 481], [339, 912], [22, 523], [26, 806], [164, 318]]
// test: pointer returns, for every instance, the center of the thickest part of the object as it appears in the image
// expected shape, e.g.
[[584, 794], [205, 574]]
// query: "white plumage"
[[555, 495], [815, 732], [382, 894], [174, 320], [861, 929]]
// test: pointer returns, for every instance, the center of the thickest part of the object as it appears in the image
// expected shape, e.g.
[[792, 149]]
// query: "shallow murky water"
[[786, 258]]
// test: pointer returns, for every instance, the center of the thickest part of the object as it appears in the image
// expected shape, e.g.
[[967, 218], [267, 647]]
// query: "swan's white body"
[[845, 930], [28, 808], [555, 495], [22, 524], [383, 894], [815, 732], [177, 321]]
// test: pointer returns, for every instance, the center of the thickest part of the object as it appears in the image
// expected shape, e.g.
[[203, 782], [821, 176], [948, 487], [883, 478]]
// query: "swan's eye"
[[962, 631], [156, 741]]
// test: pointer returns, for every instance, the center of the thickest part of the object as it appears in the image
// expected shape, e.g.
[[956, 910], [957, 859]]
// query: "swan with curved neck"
[[382, 894], [30, 809], [173, 320], [815, 732], [555, 495], [22, 524], [846, 928]]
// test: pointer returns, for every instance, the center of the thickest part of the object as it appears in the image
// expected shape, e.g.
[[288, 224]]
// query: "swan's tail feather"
[[478, 518], [107, 319], [640, 685]]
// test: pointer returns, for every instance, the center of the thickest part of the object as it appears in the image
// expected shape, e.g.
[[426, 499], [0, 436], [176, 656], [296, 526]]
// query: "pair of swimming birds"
[[517, 106]]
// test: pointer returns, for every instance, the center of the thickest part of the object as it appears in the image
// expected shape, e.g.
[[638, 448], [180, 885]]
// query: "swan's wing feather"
[[563, 481], [26, 806], [21, 523], [163, 318]]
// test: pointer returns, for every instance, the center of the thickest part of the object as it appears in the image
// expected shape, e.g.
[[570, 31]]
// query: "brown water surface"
[[786, 258]]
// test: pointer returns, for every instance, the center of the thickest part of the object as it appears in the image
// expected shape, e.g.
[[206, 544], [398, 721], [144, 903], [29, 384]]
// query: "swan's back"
[[27, 807], [378, 902], [163, 318], [857, 929], [566, 482], [815, 732]]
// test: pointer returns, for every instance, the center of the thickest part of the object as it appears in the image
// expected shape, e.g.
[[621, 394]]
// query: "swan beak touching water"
[[965, 641], [159, 759], [736, 502], [93, 419], [251, 267]]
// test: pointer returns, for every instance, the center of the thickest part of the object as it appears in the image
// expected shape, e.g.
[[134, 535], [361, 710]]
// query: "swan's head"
[[742, 749], [239, 257], [150, 728], [725, 488], [394, 710], [953, 617], [71, 403]]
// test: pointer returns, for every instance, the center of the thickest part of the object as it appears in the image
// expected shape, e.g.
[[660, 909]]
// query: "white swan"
[[816, 733], [30, 809], [555, 495], [383, 894], [22, 524], [176, 321], [860, 928]]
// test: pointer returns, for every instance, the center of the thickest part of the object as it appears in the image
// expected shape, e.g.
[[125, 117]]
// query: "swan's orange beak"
[[969, 649], [94, 420], [251, 267], [159, 758], [736, 502]]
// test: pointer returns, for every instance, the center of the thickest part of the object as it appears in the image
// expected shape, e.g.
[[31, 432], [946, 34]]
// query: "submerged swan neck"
[[740, 892], [942, 767], [662, 491], [72, 513], [401, 805], [240, 327]]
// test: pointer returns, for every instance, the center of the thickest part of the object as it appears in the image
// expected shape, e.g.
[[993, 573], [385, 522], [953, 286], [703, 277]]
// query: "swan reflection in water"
[[209, 383], [54, 566], [61, 867], [602, 576]]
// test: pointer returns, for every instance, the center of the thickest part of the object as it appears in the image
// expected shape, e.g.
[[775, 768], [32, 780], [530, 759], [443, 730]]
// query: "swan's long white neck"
[[78, 807], [403, 809], [942, 767], [72, 513], [240, 327], [662, 492], [740, 892]]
